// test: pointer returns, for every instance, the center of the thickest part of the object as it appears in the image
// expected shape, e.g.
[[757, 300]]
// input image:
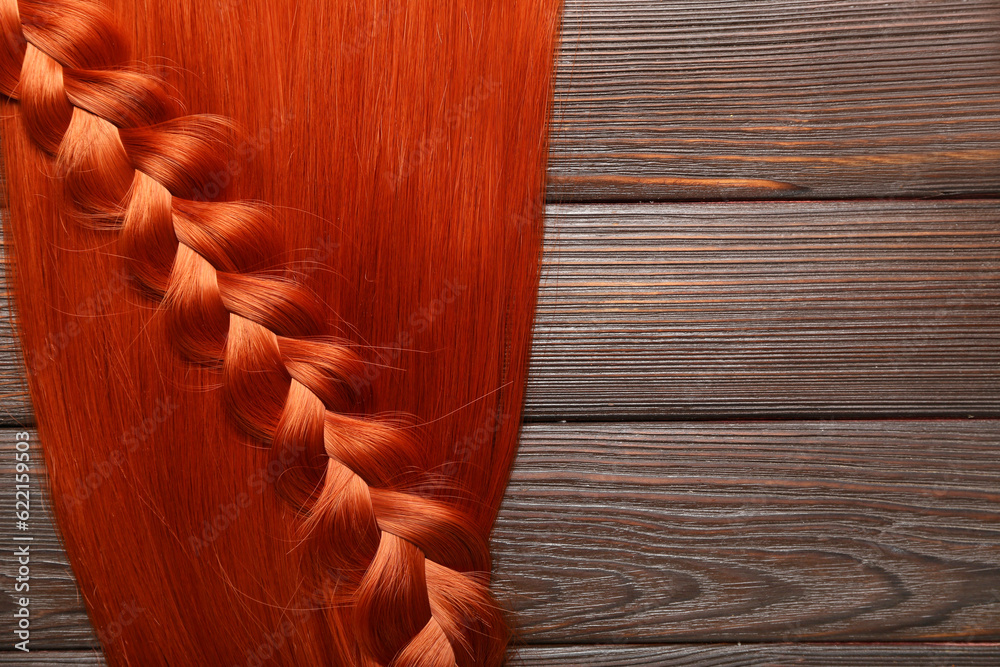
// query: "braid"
[[413, 566]]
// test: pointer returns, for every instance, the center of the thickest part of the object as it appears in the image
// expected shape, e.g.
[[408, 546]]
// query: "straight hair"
[[275, 270]]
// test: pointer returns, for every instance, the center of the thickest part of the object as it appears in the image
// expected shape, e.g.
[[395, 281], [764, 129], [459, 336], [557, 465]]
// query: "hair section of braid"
[[131, 163]]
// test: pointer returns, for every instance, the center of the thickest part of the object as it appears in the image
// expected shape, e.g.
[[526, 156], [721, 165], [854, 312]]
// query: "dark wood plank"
[[15, 407], [784, 98], [777, 99], [773, 309], [686, 655], [54, 658], [763, 655], [58, 619], [712, 532], [754, 532], [769, 309]]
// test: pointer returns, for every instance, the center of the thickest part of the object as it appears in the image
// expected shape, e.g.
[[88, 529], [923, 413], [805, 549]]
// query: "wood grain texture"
[[754, 532], [763, 655], [54, 659], [694, 532], [58, 619], [726, 99], [769, 309], [684, 655], [15, 407], [776, 309], [781, 99]]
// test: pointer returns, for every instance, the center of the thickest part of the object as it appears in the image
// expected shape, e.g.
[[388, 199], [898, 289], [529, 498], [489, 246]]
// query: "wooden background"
[[763, 424]]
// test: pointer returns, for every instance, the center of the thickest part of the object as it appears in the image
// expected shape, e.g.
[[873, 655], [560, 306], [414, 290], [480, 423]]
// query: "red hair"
[[381, 163]]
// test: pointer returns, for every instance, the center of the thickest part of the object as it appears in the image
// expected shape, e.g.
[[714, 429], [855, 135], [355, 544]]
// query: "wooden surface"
[[706, 532], [769, 309], [764, 411], [702, 310], [15, 408], [729, 99], [817, 655]]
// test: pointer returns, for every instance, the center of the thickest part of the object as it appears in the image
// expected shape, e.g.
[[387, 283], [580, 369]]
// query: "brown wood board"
[[767, 309], [684, 655], [866, 530], [781, 99]]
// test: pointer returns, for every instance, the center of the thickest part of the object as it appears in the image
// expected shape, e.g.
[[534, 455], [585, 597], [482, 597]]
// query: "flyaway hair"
[[275, 271]]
